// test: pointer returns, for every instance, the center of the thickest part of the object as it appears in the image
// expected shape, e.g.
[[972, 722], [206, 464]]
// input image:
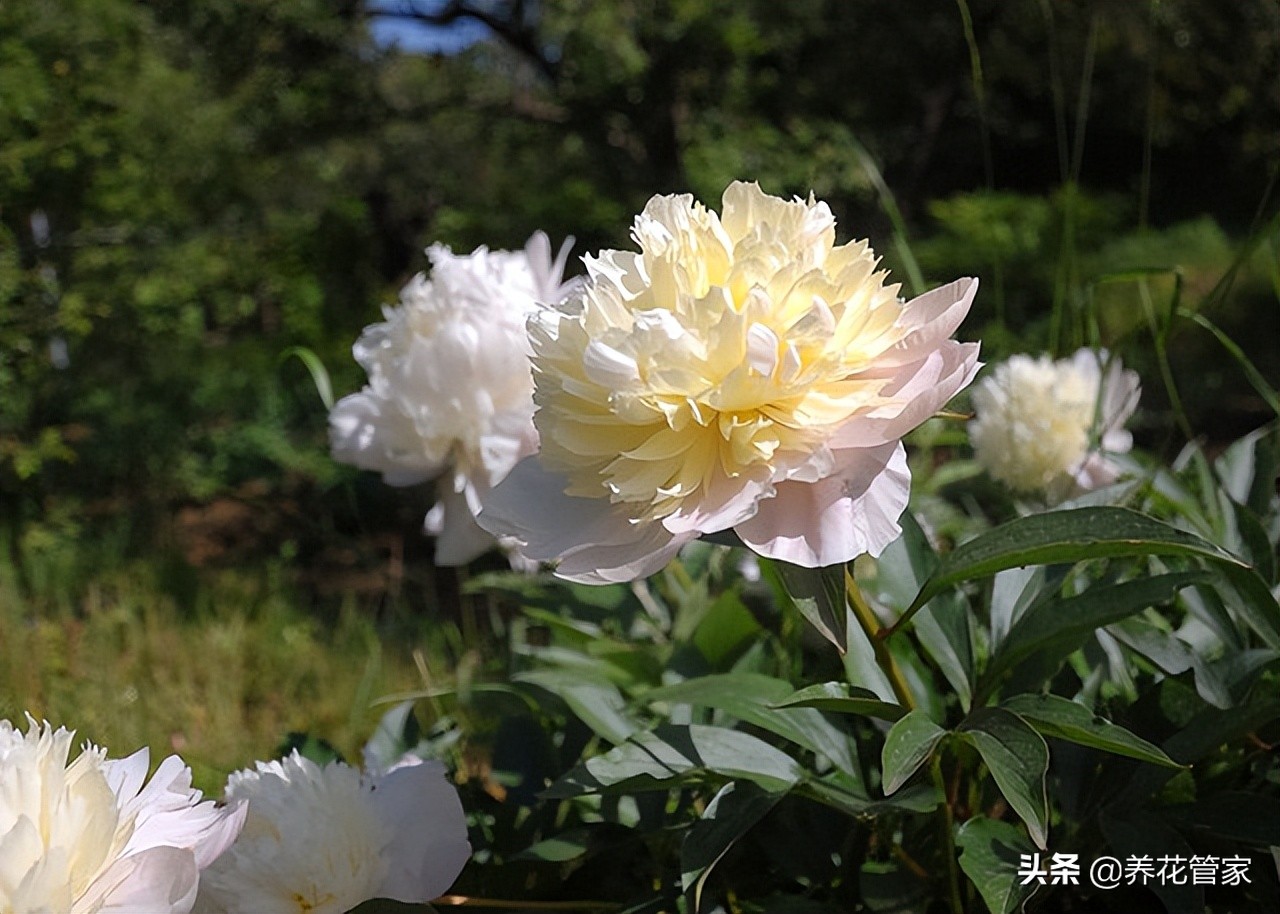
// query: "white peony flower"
[[92, 837], [1046, 427], [323, 840], [450, 393], [740, 372]]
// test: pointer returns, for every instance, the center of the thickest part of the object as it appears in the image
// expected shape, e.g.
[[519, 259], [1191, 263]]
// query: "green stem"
[[884, 657], [948, 836]]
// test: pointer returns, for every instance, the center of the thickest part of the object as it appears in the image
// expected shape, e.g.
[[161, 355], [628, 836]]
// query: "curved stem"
[[871, 627]]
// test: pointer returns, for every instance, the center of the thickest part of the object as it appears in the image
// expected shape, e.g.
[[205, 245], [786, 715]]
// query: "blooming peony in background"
[[94, 835], [325, 839], [739, 372], [1046, 427], [450, 393]]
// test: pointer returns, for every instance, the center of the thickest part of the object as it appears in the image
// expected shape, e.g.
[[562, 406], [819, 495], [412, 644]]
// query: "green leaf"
[[1063, 625], [1018, 759], [990, 855], [818, 593], [725, 629], [1256, 378], [843, 699], [315, 367], [907, 746], [596, 701], [1173, 656], [1254, 601], [1015, 590], [653, 760], [729, 815], [396, 734], [759, 700], [1063, 536], [943, 626], [837, 791], [1061, 718]]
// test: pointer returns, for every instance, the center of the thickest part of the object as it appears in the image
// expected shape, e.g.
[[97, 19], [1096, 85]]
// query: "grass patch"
[[219, 674]]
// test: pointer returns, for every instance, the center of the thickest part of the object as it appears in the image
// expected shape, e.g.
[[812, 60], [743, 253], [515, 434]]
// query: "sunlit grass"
[[219, 676]]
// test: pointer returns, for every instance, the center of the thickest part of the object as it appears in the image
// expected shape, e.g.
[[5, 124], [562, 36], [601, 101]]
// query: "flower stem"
[[947, 816], [871, 627]]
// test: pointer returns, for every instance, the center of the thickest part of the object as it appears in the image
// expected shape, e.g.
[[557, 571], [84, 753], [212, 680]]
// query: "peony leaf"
[[597, 702], [1065, 536], [764, 702], [818, 593], [729, 815], [943, 626], [1064, 625], [1061, 718], [843, 699], [1018, 759], [990, 853], [653, 760], [908, 745]]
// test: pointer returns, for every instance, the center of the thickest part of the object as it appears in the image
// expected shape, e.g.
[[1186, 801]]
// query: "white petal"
[[531, 505], [459, 539], [618, 563], [836, 519], [936, 314], [365, 432], [160, 880], [917, 391], [725, 502], [429, 845]]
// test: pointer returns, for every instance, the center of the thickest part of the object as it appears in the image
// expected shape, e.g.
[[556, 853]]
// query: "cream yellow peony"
[[739, 372], [93, 835], [450, 396], [1046, 427]]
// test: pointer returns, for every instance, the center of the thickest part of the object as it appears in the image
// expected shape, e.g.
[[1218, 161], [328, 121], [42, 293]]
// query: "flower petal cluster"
[[323, 840], [739, 372], [450, 393], [1046, 427], [93, 835]]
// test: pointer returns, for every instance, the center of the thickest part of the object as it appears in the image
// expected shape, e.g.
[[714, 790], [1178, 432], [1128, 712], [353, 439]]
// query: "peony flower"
[[323, 840], [92, 837], [740, 372], [450, 393], [1046, 427]]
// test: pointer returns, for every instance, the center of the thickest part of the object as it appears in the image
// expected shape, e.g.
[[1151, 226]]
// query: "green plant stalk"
[[947, 815], [1160, 332], [871, 626]]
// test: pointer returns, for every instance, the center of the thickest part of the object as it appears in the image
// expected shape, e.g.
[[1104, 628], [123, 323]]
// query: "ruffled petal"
[[366, 432], [834, 520], [168, 811]]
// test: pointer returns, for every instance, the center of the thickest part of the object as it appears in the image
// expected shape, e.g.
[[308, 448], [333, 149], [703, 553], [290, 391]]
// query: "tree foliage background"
[[190, 189]]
